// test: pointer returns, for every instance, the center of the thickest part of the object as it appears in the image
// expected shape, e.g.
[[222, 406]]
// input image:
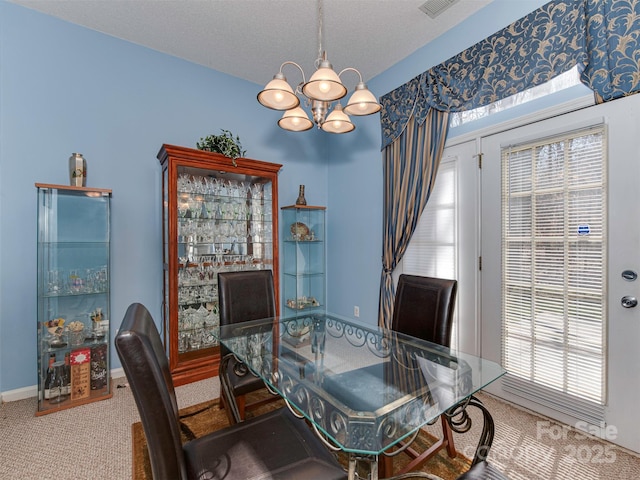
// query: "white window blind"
[[432, 251], [554, 271]]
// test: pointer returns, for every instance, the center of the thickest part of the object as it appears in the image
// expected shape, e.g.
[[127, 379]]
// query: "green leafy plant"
[[224, 143]]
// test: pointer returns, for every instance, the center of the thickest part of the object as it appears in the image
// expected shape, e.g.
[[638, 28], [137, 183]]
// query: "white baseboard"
[[19, 394], [32, 391]]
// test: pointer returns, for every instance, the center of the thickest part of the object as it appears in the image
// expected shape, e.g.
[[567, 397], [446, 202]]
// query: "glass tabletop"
[[364, 387]]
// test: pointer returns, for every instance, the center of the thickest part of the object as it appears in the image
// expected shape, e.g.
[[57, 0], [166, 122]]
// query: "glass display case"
[[73, 296], [218, 215], [303, 235]]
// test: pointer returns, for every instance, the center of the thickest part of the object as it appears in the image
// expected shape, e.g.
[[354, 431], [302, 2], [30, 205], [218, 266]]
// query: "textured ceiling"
[[250, 39]]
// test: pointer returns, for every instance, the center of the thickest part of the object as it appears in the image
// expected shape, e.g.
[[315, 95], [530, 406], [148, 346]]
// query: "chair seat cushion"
[[276, 445], [483, 471], [370, 388], [243, 384], [304, 366], [362, 389]]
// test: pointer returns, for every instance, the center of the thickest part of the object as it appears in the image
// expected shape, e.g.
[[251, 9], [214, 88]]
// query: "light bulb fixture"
[[295, 120], [338, 121], [278, 94], [323, 87], [362, 101], [324, 84]]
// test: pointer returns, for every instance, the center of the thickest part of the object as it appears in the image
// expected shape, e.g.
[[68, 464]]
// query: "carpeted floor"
[[208, 417], [94, 441]]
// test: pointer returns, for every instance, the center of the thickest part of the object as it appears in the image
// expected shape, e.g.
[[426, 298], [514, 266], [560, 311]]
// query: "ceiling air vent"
[[433, 8]]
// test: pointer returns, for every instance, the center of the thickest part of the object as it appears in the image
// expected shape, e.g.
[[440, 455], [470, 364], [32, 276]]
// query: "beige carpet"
[[523, 453], [208, 417], [94, 442]]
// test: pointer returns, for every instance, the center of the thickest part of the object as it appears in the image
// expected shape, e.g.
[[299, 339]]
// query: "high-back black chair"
[[274, 445], [423, 308], [243, 296]]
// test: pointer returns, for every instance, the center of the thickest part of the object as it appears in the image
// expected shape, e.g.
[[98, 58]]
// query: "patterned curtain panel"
[[410, 167], [601, 36], [613, 48]]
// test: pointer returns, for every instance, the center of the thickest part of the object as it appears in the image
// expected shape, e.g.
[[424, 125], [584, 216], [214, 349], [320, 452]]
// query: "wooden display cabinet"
[[219, 215]]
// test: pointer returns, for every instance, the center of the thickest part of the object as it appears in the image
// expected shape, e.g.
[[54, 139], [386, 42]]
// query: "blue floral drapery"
[[603, 37], [410, 168], [613, 48]]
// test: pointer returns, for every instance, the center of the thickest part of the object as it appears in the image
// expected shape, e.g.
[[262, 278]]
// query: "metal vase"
[[301, 200], [77, 170]]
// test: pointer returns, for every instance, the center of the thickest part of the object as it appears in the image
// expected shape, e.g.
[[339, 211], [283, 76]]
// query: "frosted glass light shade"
[[278, 94], [362, 102], [324, 84], [295, 120], [338, 121]]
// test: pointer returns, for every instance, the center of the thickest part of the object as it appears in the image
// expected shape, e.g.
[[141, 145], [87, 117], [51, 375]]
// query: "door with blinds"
[[560, 251]]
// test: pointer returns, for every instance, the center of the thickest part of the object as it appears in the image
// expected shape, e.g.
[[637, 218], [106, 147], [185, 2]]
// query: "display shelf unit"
[[218, 215], [303, 235], [73, 296]]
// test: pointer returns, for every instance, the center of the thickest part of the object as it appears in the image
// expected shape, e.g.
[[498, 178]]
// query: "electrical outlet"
[[356, 311]]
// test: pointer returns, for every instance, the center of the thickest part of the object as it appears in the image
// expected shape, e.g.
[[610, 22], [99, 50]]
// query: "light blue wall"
[[67, 89], [355, 169]]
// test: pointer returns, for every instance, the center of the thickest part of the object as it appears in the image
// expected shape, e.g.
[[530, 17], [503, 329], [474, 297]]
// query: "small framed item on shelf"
[[80, 373]]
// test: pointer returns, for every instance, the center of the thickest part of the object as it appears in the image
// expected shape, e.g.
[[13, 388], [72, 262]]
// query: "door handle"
[[629, 302]]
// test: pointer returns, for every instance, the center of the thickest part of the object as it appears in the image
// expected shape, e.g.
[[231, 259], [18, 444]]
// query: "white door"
[[468, 223], [622, 126]]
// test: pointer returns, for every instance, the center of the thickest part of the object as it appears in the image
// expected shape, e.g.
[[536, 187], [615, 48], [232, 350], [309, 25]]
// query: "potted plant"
[[224, 143]]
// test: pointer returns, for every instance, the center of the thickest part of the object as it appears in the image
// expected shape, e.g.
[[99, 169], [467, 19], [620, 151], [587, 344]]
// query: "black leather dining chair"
[[423, 308], [244, 296], [275, 445]]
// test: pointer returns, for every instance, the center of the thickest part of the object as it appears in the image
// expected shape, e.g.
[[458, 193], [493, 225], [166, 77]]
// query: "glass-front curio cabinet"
[[73, 296], [303, 244], [219, 215]]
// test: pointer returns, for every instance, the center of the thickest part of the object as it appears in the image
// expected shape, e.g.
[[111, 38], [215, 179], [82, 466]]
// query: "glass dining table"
[[365, 390]]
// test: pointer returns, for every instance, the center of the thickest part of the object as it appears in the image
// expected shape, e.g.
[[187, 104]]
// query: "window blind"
[[554, 271], [431, 251]]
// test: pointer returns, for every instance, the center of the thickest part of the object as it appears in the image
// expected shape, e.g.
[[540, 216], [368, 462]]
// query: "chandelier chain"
[[320, 26]]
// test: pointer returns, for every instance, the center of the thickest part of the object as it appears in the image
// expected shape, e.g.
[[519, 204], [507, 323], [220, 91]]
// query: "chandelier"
[[323, 88]]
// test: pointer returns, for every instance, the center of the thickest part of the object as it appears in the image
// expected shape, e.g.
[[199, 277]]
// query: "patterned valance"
[[600, 36]]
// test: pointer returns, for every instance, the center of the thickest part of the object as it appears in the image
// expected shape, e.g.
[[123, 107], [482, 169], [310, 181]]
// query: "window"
[[432, 250], [554, 270], [565, 80]]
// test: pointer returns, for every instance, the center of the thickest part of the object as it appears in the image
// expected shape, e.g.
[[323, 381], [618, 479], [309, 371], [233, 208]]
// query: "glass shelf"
[[304, 264]]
